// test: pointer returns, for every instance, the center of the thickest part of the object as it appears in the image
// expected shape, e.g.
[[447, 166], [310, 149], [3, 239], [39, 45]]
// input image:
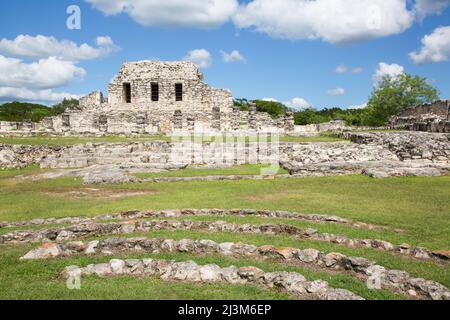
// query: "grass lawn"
[[72, 140], [418, 205], [244, 170]]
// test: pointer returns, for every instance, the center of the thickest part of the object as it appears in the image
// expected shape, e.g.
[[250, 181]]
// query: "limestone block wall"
[[408, 145], [438, 108], [93, 99], [434, 117], [312, 153]]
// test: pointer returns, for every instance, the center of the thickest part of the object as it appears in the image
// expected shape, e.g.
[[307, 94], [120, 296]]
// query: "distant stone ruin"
[[432, 117]]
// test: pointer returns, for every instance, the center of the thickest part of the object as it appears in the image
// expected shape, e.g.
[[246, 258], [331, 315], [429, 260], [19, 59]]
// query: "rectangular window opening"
[[155, 92], [127, 92], [178, 92]]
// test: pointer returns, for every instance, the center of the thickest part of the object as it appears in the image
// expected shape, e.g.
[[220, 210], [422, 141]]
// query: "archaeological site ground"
[[216, 202], [159, 186]]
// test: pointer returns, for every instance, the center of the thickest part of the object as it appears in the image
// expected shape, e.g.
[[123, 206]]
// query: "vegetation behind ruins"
[[26, 111], [389, 98]]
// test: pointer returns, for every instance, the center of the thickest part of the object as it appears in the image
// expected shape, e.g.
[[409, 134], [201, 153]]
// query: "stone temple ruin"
[[154, 97]]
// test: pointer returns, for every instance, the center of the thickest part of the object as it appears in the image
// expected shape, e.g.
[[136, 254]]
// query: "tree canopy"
[[25, 111], [393, 95]]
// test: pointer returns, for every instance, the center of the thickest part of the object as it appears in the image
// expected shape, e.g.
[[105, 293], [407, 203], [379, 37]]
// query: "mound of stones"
[[188, 271], [399, 281], [127, 227]]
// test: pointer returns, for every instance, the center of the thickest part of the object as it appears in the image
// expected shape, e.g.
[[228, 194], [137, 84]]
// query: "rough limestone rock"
[[292, 283], [47, 250], [107, 177], [92, 228], [396, 280]]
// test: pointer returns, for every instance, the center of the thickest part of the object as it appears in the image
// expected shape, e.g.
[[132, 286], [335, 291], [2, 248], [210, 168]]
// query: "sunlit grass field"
[[420, 206]]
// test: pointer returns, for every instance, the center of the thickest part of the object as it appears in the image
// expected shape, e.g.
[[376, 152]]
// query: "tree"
[[64, 105], [309, 116], [393, 95], [274, 108], [23, 111], [242, 103]]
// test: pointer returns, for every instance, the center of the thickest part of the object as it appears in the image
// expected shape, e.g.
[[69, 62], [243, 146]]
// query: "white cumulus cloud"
[[36, 81], [43, 74], [337, 21], [178, 13], [233, 56], [201, 57], [435, 47], [43, 47], [297, 103], [427, 7], [341, 69], [384, 69], [357, 106], [24, 94], [336, 92]]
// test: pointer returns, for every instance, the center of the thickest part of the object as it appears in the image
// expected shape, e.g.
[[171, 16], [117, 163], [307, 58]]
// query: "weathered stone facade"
[[154, 97], [434, 117]]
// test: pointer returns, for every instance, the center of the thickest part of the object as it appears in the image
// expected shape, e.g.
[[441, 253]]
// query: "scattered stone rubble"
[[128, 227], [290, 282], [376, 154], [395, 280]]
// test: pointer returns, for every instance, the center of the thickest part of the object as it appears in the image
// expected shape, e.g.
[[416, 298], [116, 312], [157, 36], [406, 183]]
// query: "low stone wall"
[[290, 282], [407, 145], [98, 229], [396, 280], [20, 156]]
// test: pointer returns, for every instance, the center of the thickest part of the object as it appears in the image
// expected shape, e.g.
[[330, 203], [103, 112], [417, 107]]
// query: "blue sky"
[[276, 65]]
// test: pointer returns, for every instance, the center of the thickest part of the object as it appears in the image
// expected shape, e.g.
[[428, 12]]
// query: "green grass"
[[323, 137], [418, 205], [40, 280], [245, 170], [69, 141]]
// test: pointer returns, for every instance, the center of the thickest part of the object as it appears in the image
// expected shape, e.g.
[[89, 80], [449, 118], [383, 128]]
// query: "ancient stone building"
[[156, 97], [433, 117], [149, 97]]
